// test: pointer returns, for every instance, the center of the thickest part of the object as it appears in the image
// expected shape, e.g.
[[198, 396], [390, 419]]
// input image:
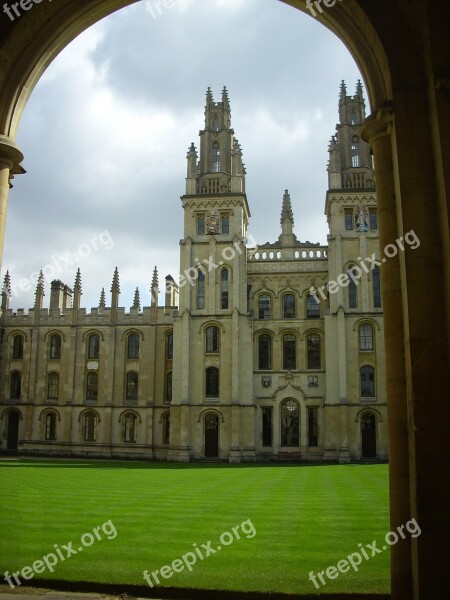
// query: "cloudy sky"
[[106, 132]]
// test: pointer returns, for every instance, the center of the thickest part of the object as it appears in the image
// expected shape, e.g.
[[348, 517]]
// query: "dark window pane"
[[312, 308], [376, 285], [212, 339], [166, 429], [352, 294], [92, 387], [133, 346], [349, 220], [313, 427], [224, 288], [50, 427], [368, 382], [313, 344], [201, 225], [94, 346], [90, 427], [130, 429], [169, 387], [169, 349], [289, 353], [366, 337], [55, 347], [53, 386], [132, 386], [212, 382], [225, 224], [201, 290], [18, 347], [373, 221], [264, 310], [16, 385], [290, 423], [265, 352], [267, 426], [288, 306]]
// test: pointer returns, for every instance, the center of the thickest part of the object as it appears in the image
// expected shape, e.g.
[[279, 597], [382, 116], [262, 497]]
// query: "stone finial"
[[192, 152], [137, 299], [6, 291], [343, 92], [209, 97], [225, 97], [286, 211], [115, 286], [40, 292], [102, 303], [77, 290], [155, 287]]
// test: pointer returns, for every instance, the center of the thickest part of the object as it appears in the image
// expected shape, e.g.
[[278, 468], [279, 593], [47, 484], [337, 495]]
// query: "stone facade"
[[253, 357]]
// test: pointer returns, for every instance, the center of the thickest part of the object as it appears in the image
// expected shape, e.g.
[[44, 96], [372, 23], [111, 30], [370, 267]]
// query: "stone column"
[[10, 159], [377, 131]]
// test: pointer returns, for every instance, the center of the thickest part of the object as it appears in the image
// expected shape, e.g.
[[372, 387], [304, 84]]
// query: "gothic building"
[[270, 352]]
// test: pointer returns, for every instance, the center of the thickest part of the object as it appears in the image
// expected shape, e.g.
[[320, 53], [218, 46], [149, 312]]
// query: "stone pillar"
[[377, 131], [10, 159]]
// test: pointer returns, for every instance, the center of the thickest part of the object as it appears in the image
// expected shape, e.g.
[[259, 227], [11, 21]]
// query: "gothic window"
[[215, 155], [216, 123], [212, 382], [373, 220], [169, 347], [93, 346], [15, 385], [201, 290], [133, 346], [55, 347], [266, 426], [201, 225], [352, 292], [349, 219], [18, 347], [313, 351], [166, 429], [53, 386], [265, 352], [288, 306], [92, 387], [290, 422], [289, 352], [129, 428], [355, 152], [132, 387], [313, 427], [168, 399], [365, 337], [353, 117], [376, 287], [367, 375], [224, 277], [312, 308], [264, 306], [90, 427], [225, 223], [212, 339], [50, 427]]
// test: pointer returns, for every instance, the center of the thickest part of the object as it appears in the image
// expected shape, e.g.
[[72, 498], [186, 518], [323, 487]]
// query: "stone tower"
[[213, 348]]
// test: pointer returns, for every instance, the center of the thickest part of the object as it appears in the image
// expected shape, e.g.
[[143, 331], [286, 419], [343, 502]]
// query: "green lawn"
[[306, 518]]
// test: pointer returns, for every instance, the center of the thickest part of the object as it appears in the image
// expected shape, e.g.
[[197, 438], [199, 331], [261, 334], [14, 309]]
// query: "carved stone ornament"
[[266, 381], [212, 223], [362, 219], [313, 381]]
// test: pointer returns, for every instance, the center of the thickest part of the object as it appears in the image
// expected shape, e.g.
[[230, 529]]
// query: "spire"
[[115, 289], [286, 211], [359, 89], [155, 288], [209, 97], [225, 98], [102, 303], [343, 92], [77, 291], [39, 292], [137, 299], [192, 168], [6, 291]]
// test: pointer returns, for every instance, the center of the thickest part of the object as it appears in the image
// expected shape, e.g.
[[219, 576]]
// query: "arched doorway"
[[290, 424], [211, 436], [368, 435], [13, 430]]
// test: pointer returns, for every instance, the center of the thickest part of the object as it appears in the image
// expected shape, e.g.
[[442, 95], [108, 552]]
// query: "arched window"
[[50, 427], [353, 117], [53, 386], [90, 427], [265, 352], [201, 290], [366, 337], [15, 385], [216, 123], [92, 387], [18, 347], [94, 346], [313, 351], [168, 388], [212, 339], [367, 381], [129, 428], [352, 291], [355, 152], [169, 346], [215, 158], [132, 387], [55, 347], [166, 429], [289, 352], [312, 308], [290, 421], [224, 279], [288, 306], [264, 306], [212, 382], [376, 287], [133, 346]]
